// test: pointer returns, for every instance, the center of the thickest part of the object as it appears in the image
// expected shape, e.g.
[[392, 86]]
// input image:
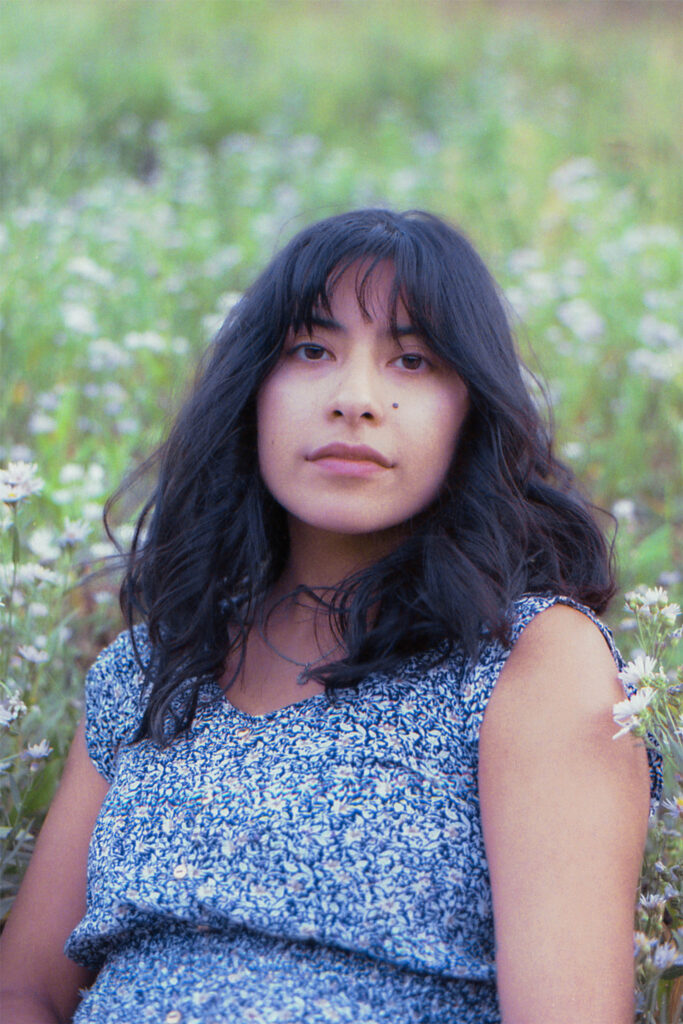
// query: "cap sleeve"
[[481, 677], [114, 702]]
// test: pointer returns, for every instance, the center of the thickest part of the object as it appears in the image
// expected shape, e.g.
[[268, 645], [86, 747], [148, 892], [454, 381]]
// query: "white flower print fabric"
[[320, 863]]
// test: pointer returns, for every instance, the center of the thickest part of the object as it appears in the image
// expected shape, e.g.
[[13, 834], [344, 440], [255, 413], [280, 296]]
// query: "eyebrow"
[[328, 323]]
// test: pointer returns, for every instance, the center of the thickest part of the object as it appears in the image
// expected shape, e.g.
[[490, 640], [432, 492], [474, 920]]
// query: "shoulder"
[[544, 630], [555, 693], [114, 696]]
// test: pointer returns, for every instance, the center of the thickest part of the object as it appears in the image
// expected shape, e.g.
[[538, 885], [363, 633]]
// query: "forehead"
[[364, 287]]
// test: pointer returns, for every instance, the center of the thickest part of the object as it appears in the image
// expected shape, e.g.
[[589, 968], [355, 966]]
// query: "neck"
[[322, 560]]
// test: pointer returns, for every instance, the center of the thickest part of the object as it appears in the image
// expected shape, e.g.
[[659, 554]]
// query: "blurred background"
[[153, 155]]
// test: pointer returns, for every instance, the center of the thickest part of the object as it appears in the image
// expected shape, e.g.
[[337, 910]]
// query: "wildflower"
[[31, 653], [31, 572], [78, 319], [73, 533], [86, 268], [653, 902], [41, 423], [640, 668], [38, 751], [11, 709], [573, 450], [41, 543], [19, 481], [149, 340], [665, 956], [655, 596], [673, 805], [625, 510], [625, 712], [580, 317], [670, 613]]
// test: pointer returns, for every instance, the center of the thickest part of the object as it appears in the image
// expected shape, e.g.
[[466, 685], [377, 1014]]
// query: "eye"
[[309, 353], [412, 361]]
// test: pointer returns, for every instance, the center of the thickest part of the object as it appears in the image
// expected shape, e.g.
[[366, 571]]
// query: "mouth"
[[350, 453]]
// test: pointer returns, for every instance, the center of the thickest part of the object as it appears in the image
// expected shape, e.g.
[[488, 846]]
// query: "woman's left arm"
[[564, 810]]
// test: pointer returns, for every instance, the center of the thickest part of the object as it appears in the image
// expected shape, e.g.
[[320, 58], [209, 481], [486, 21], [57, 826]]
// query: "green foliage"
[[654, 713], [153, 156]]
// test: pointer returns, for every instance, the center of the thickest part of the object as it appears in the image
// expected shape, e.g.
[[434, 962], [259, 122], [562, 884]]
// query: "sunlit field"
[[154, 155]]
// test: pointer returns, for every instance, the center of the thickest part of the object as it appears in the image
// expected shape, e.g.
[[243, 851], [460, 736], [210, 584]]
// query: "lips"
[[350, 453]]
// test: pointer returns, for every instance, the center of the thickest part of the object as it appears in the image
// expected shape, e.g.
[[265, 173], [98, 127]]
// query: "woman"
[[318, 808]]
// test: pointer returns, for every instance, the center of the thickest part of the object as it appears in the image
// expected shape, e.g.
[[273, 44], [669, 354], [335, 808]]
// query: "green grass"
[[154, 155]]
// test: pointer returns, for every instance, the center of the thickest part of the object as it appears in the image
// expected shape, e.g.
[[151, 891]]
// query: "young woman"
[[353, 758]]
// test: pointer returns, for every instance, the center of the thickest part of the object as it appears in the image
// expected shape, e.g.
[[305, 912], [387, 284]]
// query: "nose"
[[357, 394]]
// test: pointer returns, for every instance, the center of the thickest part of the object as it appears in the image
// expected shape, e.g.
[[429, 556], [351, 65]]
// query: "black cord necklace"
[[305, 666]]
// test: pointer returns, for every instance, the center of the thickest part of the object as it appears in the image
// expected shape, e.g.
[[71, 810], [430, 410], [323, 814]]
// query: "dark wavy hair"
[[211, 540]]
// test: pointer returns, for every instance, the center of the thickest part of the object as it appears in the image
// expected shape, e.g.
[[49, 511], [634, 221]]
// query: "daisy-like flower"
[[11, 709], [641, 666], [34, 654], [665, 956], [38, 751], [74, 532], [670, 613], [655, 596], [19, 481], [625, 713]]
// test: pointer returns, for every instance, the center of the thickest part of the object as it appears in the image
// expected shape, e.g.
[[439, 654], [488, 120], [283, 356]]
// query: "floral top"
[[320, 863]]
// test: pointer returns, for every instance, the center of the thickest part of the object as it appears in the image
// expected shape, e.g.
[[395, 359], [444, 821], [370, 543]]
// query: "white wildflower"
[[654, 902], [670, 613], [38, 751], [71, 473], [573, 450], [78, 318], [11, 709], [33, 654], [638, 669], [104, 354], [580, 317], [625, 712], [576, 180], [149, 340], [41, 423], [74, 533], [624, 509], [655, 333], [657, 365], [31, 572], [655, 596], [19, 481], [6, 715], [665, 956], [42, 544], [87, 269]]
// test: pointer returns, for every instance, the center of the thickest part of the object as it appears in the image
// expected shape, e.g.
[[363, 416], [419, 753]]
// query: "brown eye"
[[313, 352], [412, 361], [309, 353]]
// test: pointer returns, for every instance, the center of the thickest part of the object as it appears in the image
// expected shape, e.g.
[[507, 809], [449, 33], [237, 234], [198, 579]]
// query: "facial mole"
[[394, 405]]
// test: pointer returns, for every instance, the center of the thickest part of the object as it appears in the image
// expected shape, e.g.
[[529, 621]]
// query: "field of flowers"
[[153, 156]]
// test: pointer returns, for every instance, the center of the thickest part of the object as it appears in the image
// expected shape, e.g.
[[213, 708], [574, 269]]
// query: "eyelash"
[[308, 346]]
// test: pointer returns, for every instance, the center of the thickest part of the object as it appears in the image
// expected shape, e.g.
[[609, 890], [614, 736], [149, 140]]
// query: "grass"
[[154, 155]]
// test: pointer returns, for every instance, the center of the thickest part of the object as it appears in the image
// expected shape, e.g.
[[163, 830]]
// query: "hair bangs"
[[317, 265]]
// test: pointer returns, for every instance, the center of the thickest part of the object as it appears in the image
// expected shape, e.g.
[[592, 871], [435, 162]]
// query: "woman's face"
[[356, 430]]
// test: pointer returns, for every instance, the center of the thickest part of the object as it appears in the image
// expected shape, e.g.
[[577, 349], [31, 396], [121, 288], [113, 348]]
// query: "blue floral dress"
[[320, 863]]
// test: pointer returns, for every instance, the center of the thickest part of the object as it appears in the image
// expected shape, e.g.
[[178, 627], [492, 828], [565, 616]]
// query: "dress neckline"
[[286, 710]]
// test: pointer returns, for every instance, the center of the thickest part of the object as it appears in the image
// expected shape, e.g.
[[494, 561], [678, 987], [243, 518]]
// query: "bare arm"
[[38, 983], [564, 810]]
